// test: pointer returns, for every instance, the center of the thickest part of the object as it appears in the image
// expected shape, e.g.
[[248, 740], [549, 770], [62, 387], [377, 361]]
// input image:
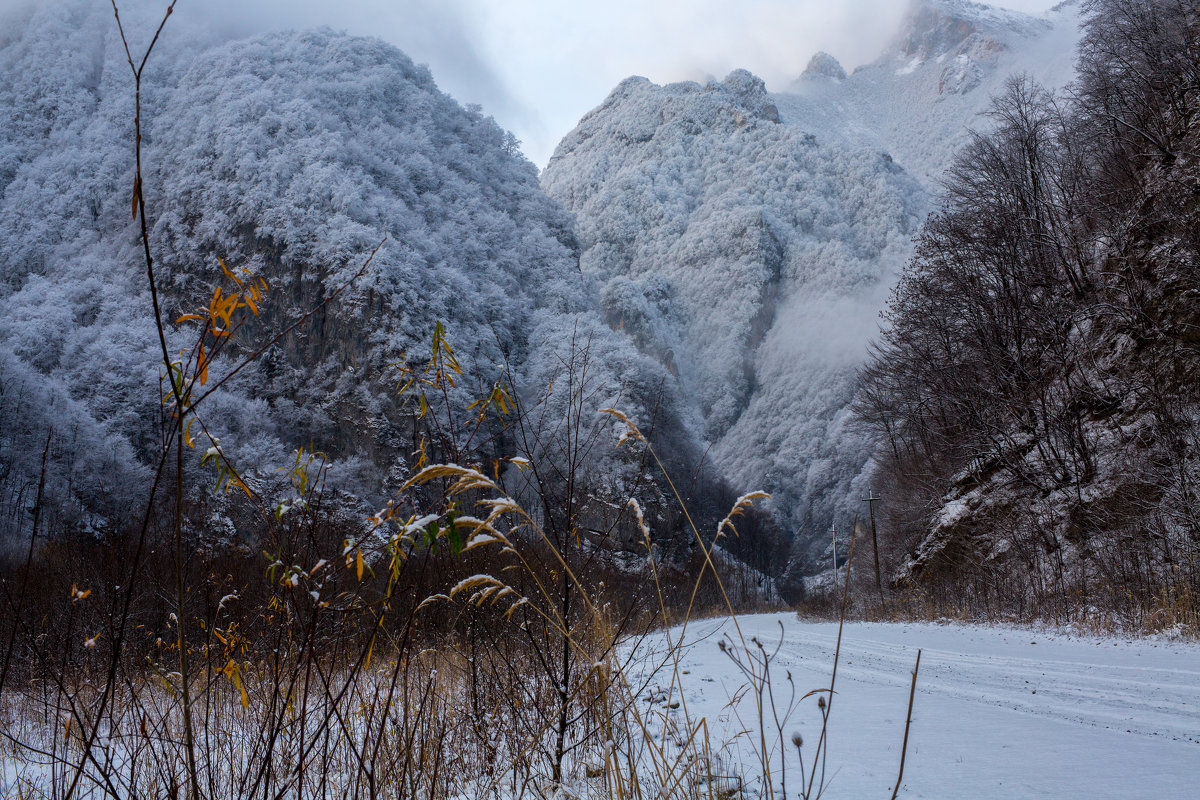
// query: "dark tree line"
[[1039, 359]]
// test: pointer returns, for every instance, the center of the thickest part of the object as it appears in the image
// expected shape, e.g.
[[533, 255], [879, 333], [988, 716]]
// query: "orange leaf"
[[202, 365], [237, 681], [228, 274]]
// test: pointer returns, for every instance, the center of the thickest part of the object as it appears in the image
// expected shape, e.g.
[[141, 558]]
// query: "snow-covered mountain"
[[744, 254], [747, 240], [290, 155], [918, 100]]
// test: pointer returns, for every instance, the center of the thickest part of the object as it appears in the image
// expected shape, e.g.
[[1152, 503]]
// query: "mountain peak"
[[752, 94], [934, 28], [823, 65]]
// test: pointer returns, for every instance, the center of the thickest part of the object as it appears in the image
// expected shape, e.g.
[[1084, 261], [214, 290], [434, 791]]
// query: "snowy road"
[[999, 712]]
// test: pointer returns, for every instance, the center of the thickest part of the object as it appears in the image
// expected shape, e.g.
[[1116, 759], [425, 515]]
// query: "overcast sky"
[[537, 66]]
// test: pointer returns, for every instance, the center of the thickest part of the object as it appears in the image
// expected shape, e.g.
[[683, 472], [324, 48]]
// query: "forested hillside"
[[290, 158], [744, 255], [1034, 395], [709, 258]]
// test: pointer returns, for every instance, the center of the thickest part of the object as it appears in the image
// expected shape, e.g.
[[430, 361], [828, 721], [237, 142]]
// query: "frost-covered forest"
[[746, 256], [292, 156], [719, 252], [1034, 389], [344, 454]]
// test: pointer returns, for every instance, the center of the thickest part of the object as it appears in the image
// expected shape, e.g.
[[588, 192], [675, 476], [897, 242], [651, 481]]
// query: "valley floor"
[[999, 712]]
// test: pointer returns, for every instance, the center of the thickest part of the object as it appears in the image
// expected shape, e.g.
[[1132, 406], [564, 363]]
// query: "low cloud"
[[439, 33], [538, 66]]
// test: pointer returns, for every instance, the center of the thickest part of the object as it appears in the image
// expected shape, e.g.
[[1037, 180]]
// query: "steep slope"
[[1035, 392], [748, 257]]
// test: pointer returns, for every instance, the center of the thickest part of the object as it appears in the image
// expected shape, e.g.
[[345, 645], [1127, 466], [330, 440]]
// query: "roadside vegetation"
[[1034, 393]]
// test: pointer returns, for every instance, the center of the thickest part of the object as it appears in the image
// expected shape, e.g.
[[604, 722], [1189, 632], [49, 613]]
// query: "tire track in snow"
[[1145, 700]]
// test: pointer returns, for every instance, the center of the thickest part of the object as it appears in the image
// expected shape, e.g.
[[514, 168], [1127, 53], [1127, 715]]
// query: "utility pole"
[[835, 566], [871, 500]]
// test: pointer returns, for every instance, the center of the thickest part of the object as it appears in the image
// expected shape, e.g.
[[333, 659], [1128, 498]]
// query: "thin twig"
[[912, 690]]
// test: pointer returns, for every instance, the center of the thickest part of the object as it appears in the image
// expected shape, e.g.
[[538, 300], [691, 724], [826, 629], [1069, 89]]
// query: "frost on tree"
[[292, 155], [747, 257]]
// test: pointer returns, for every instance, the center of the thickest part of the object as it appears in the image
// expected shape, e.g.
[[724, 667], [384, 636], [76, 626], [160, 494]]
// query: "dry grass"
[[345, 684]]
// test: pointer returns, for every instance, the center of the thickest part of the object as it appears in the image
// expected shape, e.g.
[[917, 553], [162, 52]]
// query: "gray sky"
[[537, 66]]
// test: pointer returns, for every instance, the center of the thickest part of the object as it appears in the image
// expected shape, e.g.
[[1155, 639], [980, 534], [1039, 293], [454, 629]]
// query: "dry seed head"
[[473, 582], [641, 519], [465, 478], [501, 504], [631, 430], [433, 598]]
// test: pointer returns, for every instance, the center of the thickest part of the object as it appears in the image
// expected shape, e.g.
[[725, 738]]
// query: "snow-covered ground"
[[999, 712]]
